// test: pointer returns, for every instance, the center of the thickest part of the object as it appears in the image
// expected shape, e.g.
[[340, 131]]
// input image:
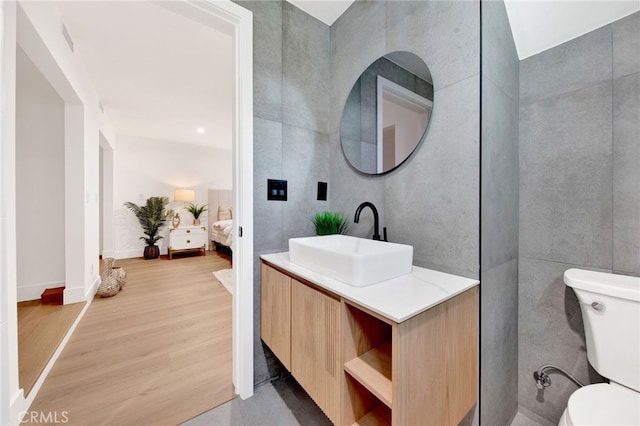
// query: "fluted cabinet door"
[[315, 346], [275, 313]]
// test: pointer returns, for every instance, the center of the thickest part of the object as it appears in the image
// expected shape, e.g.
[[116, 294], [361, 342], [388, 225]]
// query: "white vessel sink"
[[355, 261]]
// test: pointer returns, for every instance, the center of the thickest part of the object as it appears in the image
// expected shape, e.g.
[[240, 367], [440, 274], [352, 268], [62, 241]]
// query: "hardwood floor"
[[41, 328], [158, 353]]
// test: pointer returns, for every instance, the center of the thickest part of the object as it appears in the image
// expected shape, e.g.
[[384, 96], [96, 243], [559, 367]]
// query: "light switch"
[[322, 191], [276, 190]]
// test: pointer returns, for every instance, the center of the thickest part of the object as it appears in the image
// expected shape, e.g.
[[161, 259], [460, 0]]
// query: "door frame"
[[241, 23], [243, 309]]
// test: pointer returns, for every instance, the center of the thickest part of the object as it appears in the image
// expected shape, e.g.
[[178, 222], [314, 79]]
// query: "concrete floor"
[[282, 403], [527, 418], [285, 403]]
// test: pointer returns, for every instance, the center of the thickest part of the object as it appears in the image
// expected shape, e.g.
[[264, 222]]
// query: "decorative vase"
[[109, 285], [196, 222], [175, 221], [151, 252], [121, 275]]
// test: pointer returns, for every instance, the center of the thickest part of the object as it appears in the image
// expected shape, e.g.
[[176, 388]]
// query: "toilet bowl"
[[602, 404], [610, 306]]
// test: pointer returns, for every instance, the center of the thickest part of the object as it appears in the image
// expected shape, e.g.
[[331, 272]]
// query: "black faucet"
[[376, 229]]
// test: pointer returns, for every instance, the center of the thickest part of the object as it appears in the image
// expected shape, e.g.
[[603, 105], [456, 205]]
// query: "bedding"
[[222, 232], [220, 219]]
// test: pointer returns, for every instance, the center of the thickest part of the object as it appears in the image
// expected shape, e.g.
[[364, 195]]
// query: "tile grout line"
[[613, 157]]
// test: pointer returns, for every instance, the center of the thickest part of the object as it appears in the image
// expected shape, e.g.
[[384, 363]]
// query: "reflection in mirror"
[[387, 113]]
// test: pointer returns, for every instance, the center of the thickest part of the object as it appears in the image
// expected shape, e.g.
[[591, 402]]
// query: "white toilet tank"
[[610, 305]]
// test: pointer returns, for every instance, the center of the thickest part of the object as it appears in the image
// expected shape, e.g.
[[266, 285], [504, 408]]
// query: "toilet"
[[610, 305]]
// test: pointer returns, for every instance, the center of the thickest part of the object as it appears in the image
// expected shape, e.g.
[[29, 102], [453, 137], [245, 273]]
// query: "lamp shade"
[[185, 195]]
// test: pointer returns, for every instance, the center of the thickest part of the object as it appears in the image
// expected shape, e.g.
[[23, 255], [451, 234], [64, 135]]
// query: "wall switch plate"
[[322, 191], [276, 190]]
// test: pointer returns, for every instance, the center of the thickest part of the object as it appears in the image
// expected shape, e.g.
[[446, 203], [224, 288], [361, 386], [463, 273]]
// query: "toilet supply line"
[[543, 380]]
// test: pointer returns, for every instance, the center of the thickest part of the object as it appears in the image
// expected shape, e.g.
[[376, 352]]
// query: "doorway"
[[239, 22]]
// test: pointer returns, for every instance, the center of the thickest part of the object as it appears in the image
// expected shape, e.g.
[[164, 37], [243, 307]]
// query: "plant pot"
[[196, 222], [151, 252]]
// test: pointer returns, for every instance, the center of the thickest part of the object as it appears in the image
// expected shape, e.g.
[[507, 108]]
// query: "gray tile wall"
[[357, 40], [291, 134], [626, 145], [431, 202], [499, 219], [579, 194]]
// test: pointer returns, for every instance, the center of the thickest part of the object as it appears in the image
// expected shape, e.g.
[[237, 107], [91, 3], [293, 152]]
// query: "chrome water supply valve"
[[542, 379]]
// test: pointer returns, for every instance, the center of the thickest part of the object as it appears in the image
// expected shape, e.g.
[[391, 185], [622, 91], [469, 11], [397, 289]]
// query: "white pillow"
[[224, 213]]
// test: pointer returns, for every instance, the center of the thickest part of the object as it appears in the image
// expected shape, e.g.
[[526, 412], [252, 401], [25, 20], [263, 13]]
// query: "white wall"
[[39, 34], [39, 182], [107, 228], [146, 168]]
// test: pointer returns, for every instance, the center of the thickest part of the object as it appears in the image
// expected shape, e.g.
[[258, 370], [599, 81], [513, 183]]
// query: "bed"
[[221, 220]]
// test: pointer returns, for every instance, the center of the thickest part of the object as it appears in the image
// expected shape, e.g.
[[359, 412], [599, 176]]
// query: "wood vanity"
[[368, 361]]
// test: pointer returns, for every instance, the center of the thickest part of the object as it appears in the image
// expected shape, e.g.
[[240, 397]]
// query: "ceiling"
[[327, 11], [162, 75], [537, 25], [159, 74], [540, 25]]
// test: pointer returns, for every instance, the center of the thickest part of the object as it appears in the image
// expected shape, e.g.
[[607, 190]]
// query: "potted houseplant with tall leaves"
[[196, 211], [152, 216], [329, 223]]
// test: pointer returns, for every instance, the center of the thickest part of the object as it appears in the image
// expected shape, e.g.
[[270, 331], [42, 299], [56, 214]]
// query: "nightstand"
[[187, 238]]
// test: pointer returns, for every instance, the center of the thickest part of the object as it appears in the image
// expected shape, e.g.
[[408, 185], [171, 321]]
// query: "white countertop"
[[397, 299]]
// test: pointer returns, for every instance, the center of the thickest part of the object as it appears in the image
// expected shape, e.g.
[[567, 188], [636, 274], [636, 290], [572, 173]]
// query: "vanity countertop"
[[397, 299]]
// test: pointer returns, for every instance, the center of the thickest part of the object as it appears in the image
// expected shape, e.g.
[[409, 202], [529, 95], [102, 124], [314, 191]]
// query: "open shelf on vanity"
[[379, 416], [367, 367], [373, 370], [363, 407]]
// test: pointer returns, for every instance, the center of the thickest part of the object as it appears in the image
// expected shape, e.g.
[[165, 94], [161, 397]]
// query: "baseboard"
[[108, 253], [128, 254], [33, 291], [74, 295], [94, 288], [18, 408]]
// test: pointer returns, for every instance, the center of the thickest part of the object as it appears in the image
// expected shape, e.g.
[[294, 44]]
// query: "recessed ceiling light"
[[200, 130]]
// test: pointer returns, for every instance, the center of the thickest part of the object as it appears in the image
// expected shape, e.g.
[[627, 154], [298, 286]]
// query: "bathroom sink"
[[355, 261]]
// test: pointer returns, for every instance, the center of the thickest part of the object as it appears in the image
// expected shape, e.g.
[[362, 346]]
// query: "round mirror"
[[387, 113]]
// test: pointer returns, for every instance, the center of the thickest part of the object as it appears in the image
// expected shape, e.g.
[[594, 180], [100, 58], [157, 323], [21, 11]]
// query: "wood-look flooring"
[[158, 353], [41, 329]]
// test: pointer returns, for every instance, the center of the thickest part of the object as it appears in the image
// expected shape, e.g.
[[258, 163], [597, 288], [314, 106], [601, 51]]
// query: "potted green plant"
[[328, 223], [151, 216], [196, 211]]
